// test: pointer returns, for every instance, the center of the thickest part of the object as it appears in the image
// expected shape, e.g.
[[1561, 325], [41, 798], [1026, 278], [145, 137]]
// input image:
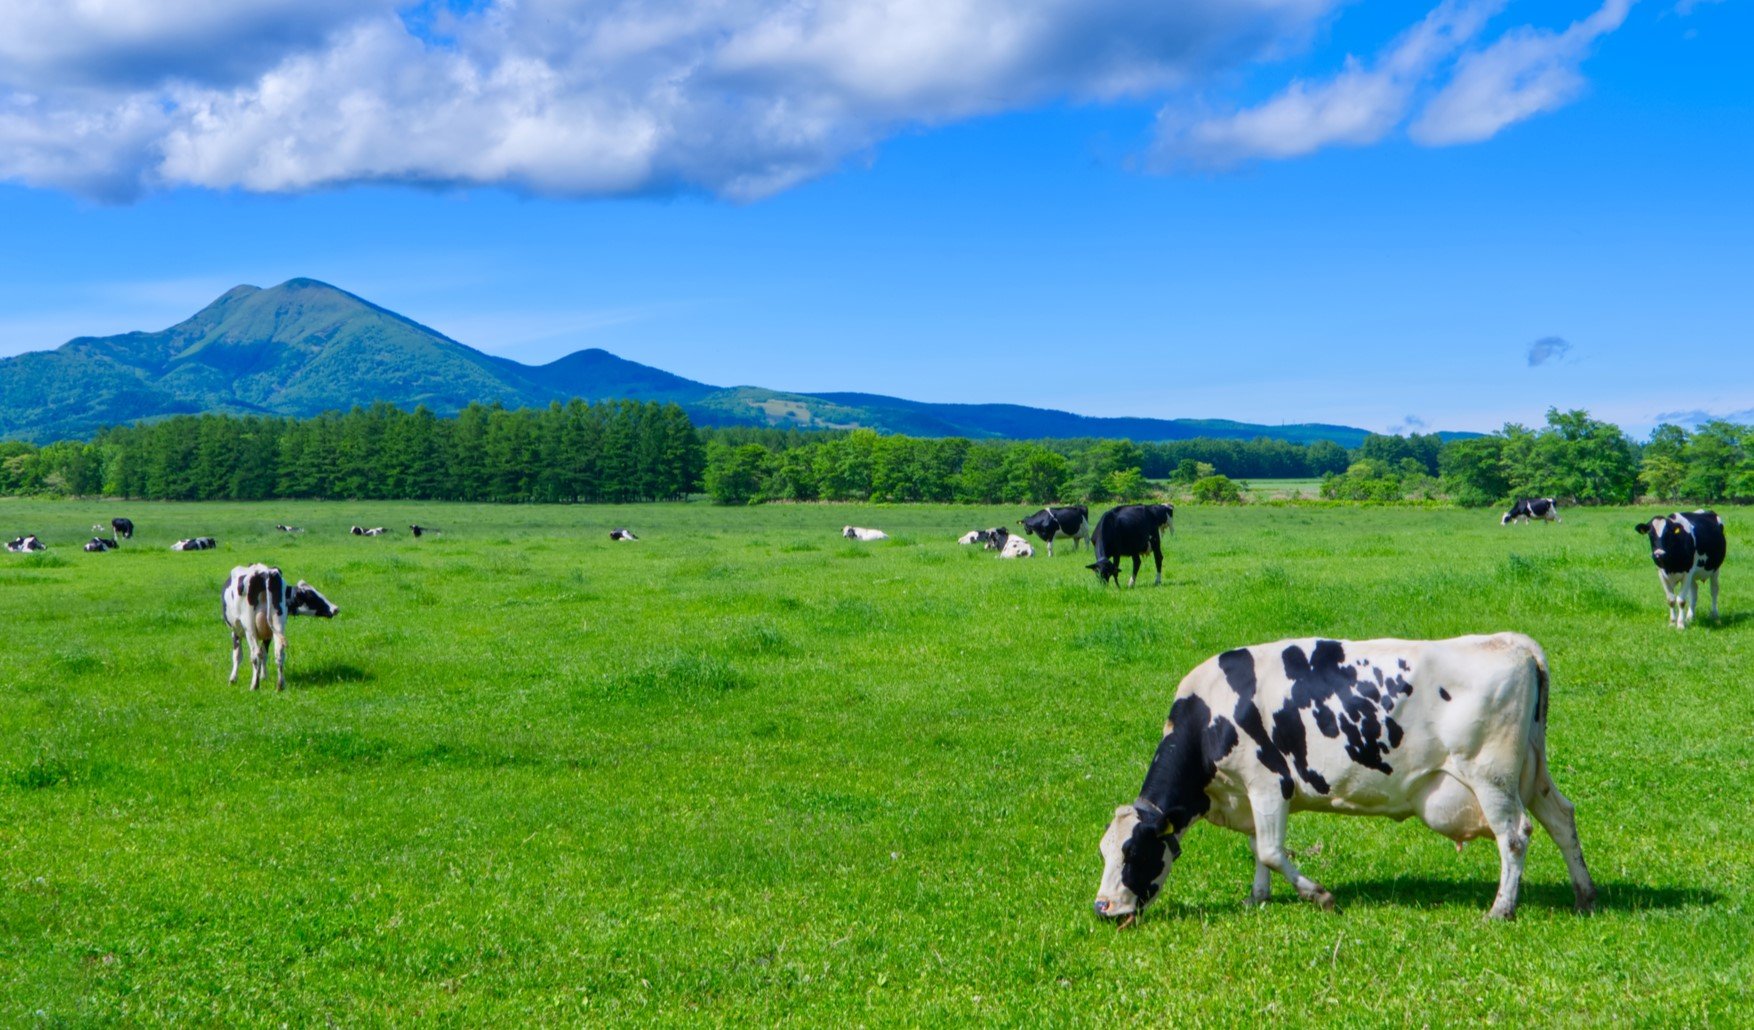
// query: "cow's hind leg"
[[1558, 817], [258, 663], [280, 662], [1510, 825], [1271, 814], [237, 652], [1714, 573]]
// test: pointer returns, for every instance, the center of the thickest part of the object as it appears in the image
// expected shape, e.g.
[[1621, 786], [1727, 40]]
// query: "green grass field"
[[746, 771]]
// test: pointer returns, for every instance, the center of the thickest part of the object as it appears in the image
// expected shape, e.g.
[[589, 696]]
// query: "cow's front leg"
[[1134, 578], [1669, 595], [237, 653], [1271, 813], [1263, 886], [1157, 556]]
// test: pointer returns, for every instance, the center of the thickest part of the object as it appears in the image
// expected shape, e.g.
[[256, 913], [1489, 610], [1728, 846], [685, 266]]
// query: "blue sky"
[[1278, 211]]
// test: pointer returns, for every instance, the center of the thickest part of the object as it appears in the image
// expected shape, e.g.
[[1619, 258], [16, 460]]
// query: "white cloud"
[[569, 97], [1524, 73], [1359, 106]]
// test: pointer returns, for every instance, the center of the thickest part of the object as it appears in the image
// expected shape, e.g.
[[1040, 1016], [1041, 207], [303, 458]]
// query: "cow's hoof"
[[1325, 901], [1586, 904], [1505, 915]]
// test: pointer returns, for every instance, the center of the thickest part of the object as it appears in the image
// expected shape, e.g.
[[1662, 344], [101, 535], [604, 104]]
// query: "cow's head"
[[304, 600], [1135, 860], [1105, 569], [1165, 516], [847, 531], [1670, 544], [1508, 516]]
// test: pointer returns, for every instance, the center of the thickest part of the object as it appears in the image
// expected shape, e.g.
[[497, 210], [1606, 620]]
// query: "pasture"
[[747, 771]]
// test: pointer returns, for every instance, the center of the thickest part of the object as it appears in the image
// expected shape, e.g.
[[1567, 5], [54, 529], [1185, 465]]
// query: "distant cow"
[[1452, 732], [1128, 532], [256, 604], [996, 538], [123, 527], [622, 534], [1072, 522], [374, 531], [196, 543], [1686, 548], [23, 544], [1017, 547], [859, 533], [1526, 508], [420, 531], [98, 544], [288, 529]]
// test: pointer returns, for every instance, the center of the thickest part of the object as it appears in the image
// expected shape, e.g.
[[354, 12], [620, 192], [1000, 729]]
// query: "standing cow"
[[1453, 732], [1686, 547], [1128, 532], [1544, 508], [1072, 522], [256, 604]]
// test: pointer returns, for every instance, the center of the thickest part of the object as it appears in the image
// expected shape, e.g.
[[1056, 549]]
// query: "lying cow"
[[996, 539], [420, 531], [98, 544], [288, 529], [1016, 547], [622, 534], [1072, 522], [1526, 508], [1128, 532], [374, 531], [257, 602], [1453, 732], [24, 544], [195, 543], [1686, 548], [859, 533]]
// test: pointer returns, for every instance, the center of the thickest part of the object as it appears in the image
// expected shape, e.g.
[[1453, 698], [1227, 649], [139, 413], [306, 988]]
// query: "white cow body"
[[860, 533], [1452, 732], [1017, 547]]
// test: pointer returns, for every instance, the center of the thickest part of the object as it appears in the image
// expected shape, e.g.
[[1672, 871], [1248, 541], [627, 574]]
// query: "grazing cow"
[[420, 531], [256, 604], [198, 543], [622, 534], [1453, 732], [288, 529], [374, 531], [1072, 522], [123, 527], [1686, 548], [26, 543], [98, 545], [858, 533], [1128, 532], [1017, 547], [1526, 508]]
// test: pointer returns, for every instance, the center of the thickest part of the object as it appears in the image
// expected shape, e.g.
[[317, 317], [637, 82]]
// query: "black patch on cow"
[[1443, 693], [1174, 792], [1323, 677], [1239, 671]]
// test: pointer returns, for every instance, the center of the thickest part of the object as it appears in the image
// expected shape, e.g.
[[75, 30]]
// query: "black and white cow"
[[1072, 522], [288, 529], [24, 544], [861, 533], [257, 602], [1526, 508], [1686, 548], [1452, 732], [420, 531], [1016, 547], [123, 528], [195, 543], [374, 531], [98, 544], [622, 534], [995, 539], [1128, 532]]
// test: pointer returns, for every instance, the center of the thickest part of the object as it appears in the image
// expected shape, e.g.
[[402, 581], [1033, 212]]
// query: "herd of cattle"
[[1451, 732]]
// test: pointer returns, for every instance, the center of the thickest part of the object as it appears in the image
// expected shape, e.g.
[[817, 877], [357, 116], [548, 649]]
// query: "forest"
[[622, 451]]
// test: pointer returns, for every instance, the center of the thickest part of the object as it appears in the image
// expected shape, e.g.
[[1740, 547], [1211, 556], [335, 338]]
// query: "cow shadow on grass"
[[1723, 621], [1431, 892], [329, 674]]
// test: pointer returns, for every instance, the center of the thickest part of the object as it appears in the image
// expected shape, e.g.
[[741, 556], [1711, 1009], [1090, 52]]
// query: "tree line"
[[565, 453], [629, 451]]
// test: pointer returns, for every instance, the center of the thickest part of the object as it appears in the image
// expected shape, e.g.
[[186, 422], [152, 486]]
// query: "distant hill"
[[305, 347]]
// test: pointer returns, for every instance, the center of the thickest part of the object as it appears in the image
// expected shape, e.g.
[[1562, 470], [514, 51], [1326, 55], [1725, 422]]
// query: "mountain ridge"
[[305, 347]]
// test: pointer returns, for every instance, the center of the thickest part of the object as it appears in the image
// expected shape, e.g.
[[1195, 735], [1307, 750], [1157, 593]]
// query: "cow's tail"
[[1535, 777]]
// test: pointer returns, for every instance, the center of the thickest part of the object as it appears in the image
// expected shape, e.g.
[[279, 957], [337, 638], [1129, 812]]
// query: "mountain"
[[305, 347]]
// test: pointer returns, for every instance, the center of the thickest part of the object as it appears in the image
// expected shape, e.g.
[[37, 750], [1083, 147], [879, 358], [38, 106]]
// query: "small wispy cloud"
[[1548, 348], [1699, 416], [1409, 424]]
